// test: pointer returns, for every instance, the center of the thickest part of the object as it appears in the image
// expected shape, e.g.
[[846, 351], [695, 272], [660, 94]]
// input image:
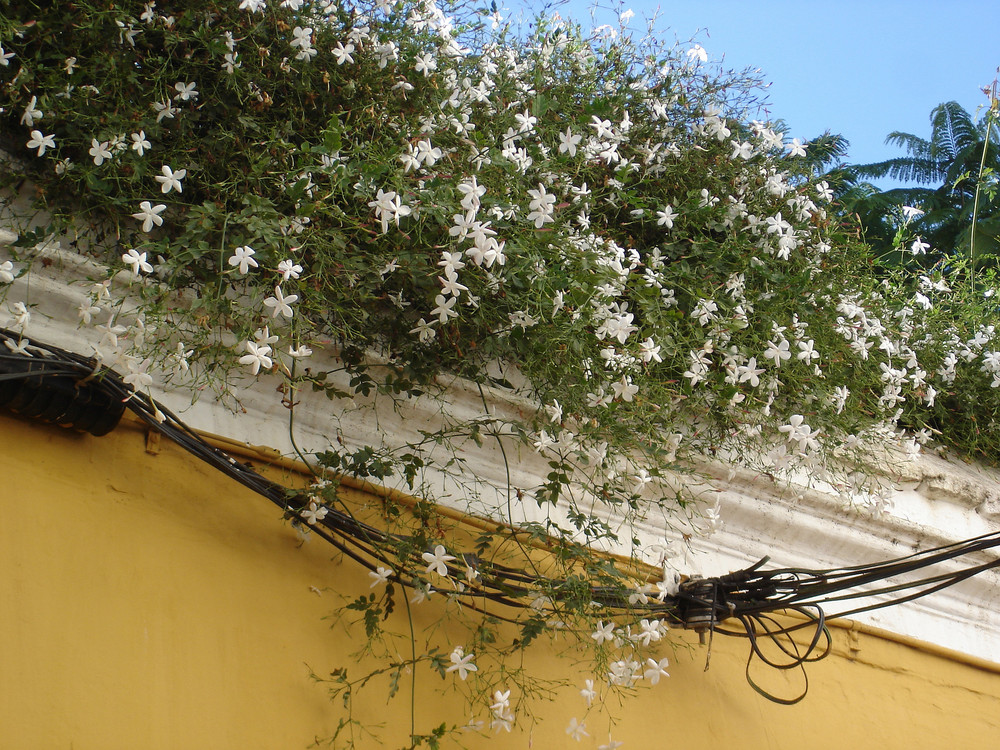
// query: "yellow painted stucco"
[[147, 601]]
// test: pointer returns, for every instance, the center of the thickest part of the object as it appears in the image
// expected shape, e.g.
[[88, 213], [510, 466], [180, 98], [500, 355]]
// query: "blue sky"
[[861, 69]]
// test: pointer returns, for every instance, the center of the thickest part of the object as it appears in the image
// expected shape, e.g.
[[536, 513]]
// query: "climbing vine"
[[388, 201]]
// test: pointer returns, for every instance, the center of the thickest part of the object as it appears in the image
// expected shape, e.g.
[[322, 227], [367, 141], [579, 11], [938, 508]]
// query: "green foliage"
[[958, 162]]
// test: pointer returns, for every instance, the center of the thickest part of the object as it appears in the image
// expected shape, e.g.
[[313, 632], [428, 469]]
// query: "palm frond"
[[951, 130], [915, 146], [827, 149], [903, 169]]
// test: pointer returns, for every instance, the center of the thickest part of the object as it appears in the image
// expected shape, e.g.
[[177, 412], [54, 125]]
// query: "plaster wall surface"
[[147, 601]]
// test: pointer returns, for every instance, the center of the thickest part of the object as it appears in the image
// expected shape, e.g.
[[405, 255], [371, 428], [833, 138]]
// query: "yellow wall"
[[147, 601]]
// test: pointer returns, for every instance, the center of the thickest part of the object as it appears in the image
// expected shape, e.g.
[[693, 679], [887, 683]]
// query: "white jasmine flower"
[[379, 576], [243, 257], [603, 633], [40, 141], [186, 91], [697, 53], [257, 357], [289, 269], [6, 272], [314, 512], [568, 142], [437, 561], [169, 179], [588, 692], [577, 729], [424, 331], [461, 663], [21, 315], [778, 352], [139, 143], [280, 304], [796, 148], [666, 216], [137, 261], [149, 215], [31, 113], [342, 53], [655, 670]]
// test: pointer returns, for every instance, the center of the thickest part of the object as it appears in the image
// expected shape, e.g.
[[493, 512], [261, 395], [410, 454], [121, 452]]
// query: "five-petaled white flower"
[[437, 561], [568, 142], [280, 304], [170, 180], [424, 331], [6, 272], [798, 432], [137, 261], [649, 351], [778, 351], [138, 377], [796, 148], [186, 91], [87, 311], [289, 269], [379, 576], [31, 113], [100, 150], [501, 702], [22, 316], [445, 308], [541, 206], [655, 670], [461, 662], [40, 141], [388, 207], [749, 373], [314, 512], [21, 347], [257, 357], [149, 215], [625, 389], [164, 110], [243, 257], [425, 63], [603, 632], [665, 218], [697, 52], [140, 143], [342, 52], [577, 729]]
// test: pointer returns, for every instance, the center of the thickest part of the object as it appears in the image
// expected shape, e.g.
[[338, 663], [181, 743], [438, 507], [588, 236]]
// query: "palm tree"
[[960, 156]]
